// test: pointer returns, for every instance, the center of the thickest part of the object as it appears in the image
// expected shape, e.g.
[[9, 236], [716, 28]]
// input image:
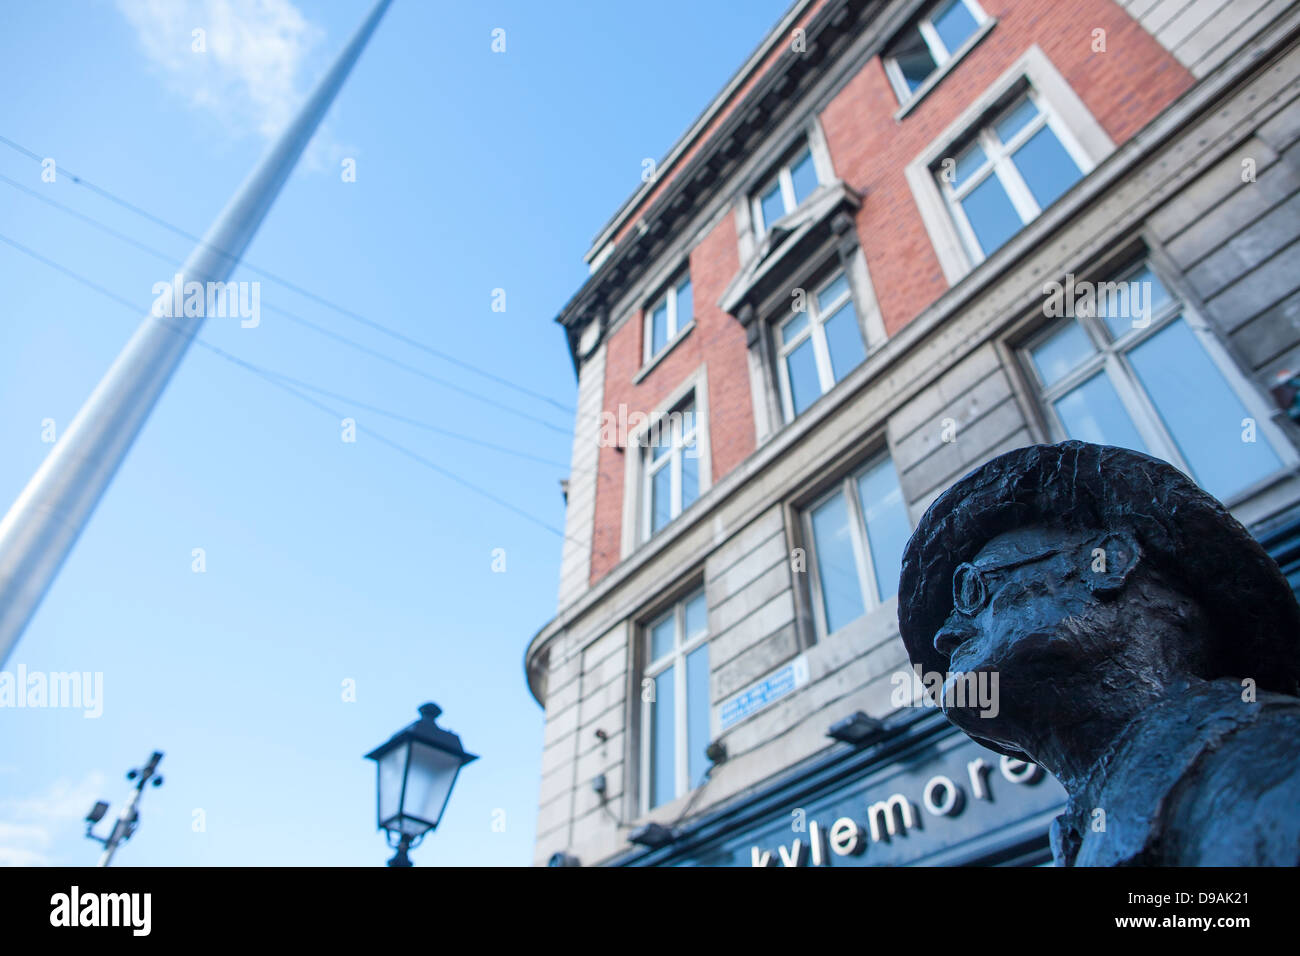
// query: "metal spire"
[[43, 524]]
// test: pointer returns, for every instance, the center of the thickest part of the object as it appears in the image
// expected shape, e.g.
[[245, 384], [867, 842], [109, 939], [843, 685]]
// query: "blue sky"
[[326, 561]]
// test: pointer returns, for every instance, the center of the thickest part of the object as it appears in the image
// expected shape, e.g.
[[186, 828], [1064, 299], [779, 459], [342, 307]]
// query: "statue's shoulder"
[[1235, 805]]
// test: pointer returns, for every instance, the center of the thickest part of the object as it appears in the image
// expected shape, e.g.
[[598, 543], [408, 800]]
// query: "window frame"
[[939, 52], [683, 646], [1033, 68], [817, 332], [680, 436], [784, 179], [668, 298], [1110, 358], [860, 540], [999, 162], [632, 526]]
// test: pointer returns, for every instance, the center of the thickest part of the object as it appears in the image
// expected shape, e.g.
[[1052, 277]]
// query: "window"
[[666, 465], [1013, 169], [671, 467], [818, 346], [856, 533], [998, 141], [675, 715], [672, 313], [781, 195], [1130, 369], [933, 41]]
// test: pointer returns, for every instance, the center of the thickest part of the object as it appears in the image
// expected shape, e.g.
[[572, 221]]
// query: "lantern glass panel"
[[391, 768], [428, 785]]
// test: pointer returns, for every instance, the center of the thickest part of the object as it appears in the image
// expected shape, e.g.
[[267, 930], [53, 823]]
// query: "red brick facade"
[[716, 337], [1124, 88]]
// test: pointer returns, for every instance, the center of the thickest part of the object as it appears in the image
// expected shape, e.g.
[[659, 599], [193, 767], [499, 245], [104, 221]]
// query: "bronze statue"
[[1147, 650]]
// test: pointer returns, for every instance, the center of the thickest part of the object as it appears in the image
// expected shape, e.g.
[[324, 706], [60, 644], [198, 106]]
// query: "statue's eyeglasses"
[[970, 584]]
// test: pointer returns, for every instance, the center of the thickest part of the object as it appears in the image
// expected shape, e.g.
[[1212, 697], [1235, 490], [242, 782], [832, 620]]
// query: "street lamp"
[[417, 769]]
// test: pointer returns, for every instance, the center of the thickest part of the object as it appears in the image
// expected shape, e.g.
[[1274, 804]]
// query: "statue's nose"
[[951, 636]]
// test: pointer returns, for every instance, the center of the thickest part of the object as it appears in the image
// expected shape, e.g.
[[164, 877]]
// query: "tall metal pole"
[[43, 524]]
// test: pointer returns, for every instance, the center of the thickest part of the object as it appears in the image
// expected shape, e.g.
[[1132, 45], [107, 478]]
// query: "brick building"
[[907, 236]]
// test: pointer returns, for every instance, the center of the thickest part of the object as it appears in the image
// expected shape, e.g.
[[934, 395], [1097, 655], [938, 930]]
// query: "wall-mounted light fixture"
[[856, 729], [716, 752], [652, 835]]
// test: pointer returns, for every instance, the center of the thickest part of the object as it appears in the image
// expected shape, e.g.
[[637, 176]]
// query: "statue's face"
[[1028, 609]]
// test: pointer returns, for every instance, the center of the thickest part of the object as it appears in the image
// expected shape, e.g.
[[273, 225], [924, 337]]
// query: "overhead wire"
[[276, 380], [288, 284], [293, 317]]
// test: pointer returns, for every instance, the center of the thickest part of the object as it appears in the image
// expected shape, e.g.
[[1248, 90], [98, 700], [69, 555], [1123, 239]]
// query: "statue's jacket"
[[1207, 777]]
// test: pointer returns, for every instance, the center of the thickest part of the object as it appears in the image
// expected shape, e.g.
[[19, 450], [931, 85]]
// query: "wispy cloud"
[[246, 67], [28, 825]]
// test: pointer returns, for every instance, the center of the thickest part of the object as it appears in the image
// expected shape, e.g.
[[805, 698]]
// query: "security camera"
[[97, 812], [563, 859]]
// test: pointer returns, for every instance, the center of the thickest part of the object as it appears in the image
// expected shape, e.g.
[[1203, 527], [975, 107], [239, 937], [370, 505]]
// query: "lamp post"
[[417, 768]]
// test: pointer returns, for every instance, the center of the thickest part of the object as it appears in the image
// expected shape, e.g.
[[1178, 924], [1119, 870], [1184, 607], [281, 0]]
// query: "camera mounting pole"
[[129, 818]]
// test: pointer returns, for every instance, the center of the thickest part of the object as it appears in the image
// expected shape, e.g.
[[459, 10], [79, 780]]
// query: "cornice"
[[829, 32]]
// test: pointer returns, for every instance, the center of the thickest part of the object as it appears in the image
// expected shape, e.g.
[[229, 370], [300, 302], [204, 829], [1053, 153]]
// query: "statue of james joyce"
[[1147, 650]]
